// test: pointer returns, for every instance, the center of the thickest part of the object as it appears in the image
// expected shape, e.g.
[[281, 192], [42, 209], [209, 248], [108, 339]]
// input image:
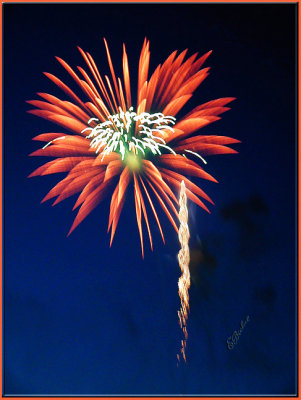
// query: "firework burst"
[[114, 140]]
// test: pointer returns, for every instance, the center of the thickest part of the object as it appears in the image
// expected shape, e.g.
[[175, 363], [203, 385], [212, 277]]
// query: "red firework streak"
[[113, 141]]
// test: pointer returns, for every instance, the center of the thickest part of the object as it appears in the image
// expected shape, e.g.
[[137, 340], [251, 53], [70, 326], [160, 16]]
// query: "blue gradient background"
[[81, 318]]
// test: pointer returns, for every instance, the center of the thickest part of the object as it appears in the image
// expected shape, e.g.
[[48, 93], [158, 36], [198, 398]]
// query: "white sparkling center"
[[128, 131]]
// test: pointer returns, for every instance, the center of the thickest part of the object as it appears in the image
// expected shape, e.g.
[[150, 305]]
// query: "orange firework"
[[114, 140]]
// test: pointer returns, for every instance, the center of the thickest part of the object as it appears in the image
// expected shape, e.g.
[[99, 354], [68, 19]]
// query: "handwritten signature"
[[232, 340]]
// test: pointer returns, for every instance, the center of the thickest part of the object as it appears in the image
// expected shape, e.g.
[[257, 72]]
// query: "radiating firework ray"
[[115, 140], [184, 258]]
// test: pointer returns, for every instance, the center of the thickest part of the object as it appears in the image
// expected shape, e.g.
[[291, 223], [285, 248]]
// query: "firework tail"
[[183, 258]]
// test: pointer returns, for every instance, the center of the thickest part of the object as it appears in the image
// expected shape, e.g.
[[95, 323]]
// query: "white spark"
[[128, 131], [59, 138], [196, 154], [118, 133]]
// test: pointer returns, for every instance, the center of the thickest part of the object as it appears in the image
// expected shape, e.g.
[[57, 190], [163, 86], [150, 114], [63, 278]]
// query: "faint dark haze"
[[251, 218], [83, 318]]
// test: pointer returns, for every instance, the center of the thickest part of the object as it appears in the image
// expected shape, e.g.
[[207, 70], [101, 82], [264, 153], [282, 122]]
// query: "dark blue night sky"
[[83, 318]]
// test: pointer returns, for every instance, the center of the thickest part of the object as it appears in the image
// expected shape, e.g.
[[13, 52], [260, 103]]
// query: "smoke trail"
[[183, 258]]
